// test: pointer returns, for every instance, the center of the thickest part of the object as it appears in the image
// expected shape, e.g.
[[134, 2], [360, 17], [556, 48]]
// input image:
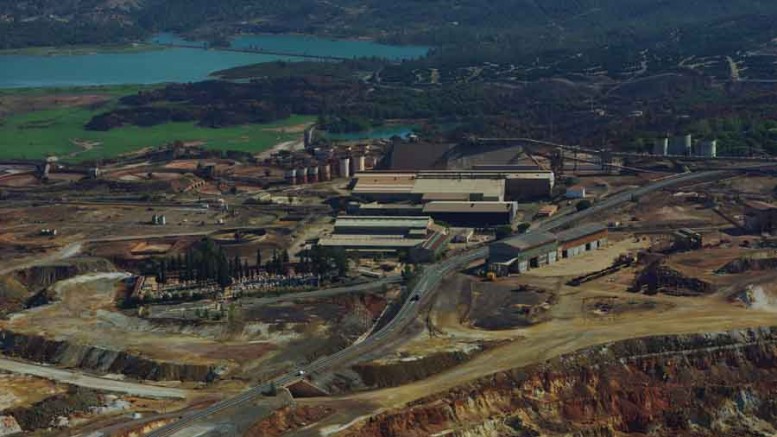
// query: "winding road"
[[424, 289]]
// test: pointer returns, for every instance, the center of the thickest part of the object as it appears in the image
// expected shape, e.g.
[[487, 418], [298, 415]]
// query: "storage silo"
[[359, 164], [345, 167], [313, 175], [681, 146], [326, 172], [291, 176], [709, 149], [661, 147]]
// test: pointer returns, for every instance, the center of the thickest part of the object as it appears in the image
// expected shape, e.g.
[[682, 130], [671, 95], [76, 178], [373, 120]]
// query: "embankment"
[[403, 371], [94, 359]]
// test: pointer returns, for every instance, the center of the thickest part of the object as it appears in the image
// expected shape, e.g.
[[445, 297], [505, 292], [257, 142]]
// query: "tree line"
[[207, 261]]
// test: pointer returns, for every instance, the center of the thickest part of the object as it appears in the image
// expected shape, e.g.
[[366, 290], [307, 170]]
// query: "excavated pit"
[[700, 385]]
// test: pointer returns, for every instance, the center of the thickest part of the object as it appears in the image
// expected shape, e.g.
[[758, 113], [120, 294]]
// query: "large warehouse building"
[[461, 186], [519, 254], [462, 190], [395, 226], [472, 214], [384, 234]]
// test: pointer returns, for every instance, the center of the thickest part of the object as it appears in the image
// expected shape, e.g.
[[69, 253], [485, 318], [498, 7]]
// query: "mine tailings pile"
[[657, 276], [39, 277], [62, 353], [743, 265], [708, 384]]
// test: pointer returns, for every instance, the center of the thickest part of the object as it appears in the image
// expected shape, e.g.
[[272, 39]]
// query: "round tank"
[[326, 172], [358, 163], [345, 167]]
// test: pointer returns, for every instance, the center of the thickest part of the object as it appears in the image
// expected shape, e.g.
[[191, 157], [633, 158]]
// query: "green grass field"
[[57, 132]]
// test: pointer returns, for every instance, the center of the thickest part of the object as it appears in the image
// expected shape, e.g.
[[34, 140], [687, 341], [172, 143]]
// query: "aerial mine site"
[[376, 219]]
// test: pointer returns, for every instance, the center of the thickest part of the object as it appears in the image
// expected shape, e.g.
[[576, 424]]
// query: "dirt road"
[[68, 251]]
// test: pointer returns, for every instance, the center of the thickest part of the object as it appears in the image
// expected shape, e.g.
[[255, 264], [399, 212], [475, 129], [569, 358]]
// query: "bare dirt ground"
[[24, 390], [595, 313], [288, 146], [86, 314]]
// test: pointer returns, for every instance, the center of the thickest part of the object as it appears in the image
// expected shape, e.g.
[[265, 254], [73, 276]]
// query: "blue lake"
[[178, 64]]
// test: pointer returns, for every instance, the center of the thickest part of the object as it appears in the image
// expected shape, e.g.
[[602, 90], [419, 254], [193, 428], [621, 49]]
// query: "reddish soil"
[[288, 419]]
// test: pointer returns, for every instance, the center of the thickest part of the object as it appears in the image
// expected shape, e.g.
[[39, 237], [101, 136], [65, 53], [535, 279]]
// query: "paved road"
[[82, 380], [424, 289]]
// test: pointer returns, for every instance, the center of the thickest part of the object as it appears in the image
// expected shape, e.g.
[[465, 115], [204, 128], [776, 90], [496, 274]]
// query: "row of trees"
[[207, 261]]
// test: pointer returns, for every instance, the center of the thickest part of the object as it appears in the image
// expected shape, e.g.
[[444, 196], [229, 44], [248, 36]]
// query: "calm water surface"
[[178, 64]]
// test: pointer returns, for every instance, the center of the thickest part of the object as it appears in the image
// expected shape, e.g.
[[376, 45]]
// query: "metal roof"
[[381, 241], [384, 183], [487, 187], [451, 197], [530, 240], [468, 207], [580, 232], [382, 222], [546, 175], [389, 206]]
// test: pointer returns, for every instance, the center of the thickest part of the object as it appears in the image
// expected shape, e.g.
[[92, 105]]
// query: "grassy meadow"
[[59, 130]]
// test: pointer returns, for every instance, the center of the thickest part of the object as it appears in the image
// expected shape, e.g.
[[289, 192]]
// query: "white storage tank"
[[291, 176], [661, 147], [345, 167], [709, 149], [359, 164]]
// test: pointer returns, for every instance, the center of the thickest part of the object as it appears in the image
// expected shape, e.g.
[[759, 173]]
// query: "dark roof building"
[[420, 156], [472, 214]]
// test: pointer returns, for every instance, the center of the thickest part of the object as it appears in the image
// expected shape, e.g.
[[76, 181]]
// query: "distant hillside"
[[497, 28]]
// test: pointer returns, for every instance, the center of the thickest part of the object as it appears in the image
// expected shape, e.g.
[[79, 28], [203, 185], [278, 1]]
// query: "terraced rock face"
[[700, 385], [63, 353]]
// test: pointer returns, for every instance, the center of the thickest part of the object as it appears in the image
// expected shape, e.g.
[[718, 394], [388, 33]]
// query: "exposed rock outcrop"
[[701, 385], [288, 419], [29, 287], [37, 278], [62, 353], [396, 373]]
